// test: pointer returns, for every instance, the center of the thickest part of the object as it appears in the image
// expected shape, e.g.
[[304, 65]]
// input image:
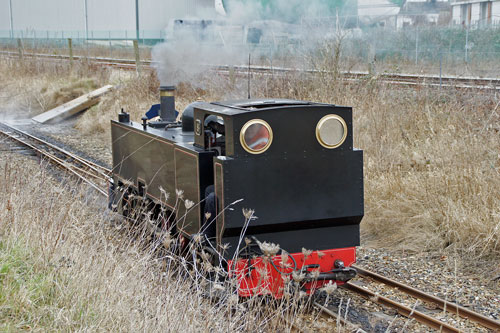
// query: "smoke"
[[249, 26], [190, 51]]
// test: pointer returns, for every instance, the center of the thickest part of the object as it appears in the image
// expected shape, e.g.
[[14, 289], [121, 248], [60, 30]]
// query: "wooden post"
[[137, 57], [70, 46], [20, 47]]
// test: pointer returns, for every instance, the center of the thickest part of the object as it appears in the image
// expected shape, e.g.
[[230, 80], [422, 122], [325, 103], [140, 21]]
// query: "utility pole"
[[11, 20], [137, 19], [86, 20]]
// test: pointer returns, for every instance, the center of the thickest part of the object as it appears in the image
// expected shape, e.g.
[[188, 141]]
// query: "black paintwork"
[[163, 159], [303, 194]]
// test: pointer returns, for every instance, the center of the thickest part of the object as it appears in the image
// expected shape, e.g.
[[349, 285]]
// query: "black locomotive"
[[291, 162]]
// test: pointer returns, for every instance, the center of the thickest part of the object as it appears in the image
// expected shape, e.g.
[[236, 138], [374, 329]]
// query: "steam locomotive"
[[291, 162]]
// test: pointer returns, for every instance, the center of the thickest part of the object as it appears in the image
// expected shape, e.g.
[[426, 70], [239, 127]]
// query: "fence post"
[[109, 41], [440, 69], [416, 46], [137, 58], [20, 47], [466, 44], [70, 46]]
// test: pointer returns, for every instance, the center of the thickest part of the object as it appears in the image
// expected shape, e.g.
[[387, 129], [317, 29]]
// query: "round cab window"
[[256, 136], [331, 131]]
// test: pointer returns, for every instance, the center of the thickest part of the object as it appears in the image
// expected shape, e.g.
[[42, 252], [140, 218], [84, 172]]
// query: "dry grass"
[[68, 265], [432, 168], [431, 156], [69, 91], [37, 86], [432, 161]]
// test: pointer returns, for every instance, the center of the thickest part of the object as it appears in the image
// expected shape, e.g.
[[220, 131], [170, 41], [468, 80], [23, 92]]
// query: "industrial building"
[[476, 12], [148, 19], [95, 18]]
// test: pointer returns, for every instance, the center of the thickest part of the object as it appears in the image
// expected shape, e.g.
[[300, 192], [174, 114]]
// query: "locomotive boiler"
[[291, 162]]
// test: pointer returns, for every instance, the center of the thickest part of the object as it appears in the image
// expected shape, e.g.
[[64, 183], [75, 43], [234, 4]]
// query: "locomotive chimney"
[[167, 103]]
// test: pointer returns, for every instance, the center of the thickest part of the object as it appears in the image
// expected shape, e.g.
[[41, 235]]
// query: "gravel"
[[450, 277]]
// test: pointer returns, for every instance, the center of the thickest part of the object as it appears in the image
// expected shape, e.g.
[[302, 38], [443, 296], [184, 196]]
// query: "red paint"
[[259, 277]]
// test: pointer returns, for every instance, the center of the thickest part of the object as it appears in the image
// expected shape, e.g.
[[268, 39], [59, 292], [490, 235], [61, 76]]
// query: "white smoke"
[[194, 43]]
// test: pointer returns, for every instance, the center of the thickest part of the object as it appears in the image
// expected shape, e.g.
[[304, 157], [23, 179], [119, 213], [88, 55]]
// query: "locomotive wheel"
[[123, 205], [111, 196]]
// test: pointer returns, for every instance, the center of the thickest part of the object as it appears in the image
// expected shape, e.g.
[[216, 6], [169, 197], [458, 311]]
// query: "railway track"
[[98, 177], [414, 294], [408, 80], [91, 173]]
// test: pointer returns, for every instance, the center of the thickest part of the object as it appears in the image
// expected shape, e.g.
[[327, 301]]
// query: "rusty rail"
[[441, 303], [409, 80], [77, 166], [402, 309]]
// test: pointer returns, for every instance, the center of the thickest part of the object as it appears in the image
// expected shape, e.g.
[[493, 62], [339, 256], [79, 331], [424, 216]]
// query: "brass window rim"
[[245, 128], [322, 121]]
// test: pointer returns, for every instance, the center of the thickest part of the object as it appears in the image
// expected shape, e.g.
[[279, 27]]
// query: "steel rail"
[[441, 303], [346, 77], [402, 309], [463, 82], [364, 75], [103, 171], [52, 157]]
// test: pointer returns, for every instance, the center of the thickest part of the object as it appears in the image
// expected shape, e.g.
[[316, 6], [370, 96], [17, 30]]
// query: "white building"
[[96, 18], [377, 12], [476, 12], [424, 12]]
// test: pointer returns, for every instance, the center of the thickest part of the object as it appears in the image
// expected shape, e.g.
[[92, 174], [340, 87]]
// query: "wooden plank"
[[73, 107]]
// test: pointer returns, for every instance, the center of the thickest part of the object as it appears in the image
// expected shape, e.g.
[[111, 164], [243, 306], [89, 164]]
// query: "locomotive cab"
[[294, 164]]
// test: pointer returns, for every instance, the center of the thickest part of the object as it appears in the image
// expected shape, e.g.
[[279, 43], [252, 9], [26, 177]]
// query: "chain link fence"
[[448, 50]]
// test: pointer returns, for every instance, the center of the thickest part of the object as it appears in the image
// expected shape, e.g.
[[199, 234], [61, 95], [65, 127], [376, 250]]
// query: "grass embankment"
[[65, 265], [61, 269]]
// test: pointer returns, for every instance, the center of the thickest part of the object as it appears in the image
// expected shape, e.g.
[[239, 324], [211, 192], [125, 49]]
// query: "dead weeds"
[[432, 157]]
